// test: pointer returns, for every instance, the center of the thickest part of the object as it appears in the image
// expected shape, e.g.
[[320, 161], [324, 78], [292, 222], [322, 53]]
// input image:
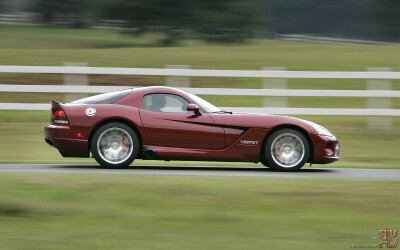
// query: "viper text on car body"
[[249, 142]]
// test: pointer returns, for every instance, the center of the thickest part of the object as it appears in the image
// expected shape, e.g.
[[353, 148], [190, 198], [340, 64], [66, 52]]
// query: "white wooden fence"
[[182, 72]]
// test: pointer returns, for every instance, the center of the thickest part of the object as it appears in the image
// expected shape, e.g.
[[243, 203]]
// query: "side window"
[[165, 103]]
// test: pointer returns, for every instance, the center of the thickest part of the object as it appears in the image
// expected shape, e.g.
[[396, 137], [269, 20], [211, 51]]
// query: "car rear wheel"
[[286, 150], [115, 145]]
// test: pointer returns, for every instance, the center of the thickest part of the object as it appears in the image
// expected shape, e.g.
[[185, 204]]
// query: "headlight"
[[321, 130]]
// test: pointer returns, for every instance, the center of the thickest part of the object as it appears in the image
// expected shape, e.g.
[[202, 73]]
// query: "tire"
[[115, 145], [286, 150]]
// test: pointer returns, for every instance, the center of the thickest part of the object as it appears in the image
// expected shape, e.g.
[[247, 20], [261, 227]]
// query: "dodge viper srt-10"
[[161, 123]]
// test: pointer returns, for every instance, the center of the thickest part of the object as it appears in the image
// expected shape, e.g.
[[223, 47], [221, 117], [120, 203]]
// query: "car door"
[[167, 123]]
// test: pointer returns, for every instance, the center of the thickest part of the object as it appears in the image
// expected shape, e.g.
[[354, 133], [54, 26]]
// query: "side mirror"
[[194, 108]]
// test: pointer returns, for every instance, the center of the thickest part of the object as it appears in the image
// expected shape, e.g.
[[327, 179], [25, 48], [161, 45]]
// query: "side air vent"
[[149, 153]]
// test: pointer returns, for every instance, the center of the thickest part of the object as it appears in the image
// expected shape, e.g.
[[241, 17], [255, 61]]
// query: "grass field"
[[132, 212], [46, 45], [37, 45]]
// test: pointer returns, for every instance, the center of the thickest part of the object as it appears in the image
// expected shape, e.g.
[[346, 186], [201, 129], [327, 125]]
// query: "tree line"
[[235, 20]]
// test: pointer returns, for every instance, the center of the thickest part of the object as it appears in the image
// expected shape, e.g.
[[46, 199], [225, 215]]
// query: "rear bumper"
[[59, 136], [49, 141]]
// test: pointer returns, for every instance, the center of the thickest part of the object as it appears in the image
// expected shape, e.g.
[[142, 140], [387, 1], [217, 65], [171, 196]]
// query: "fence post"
[[275, 83], [178, 81], [75, 79], [379, 102]]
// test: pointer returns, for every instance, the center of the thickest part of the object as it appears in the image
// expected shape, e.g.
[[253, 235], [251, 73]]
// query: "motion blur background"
[[307, 35], [303, 35]]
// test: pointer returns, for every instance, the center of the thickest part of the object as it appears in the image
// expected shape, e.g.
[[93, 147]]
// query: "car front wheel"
[[115, 145], [286, 150]]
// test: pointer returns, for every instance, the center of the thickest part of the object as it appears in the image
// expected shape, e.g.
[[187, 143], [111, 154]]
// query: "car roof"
[[158, 89]]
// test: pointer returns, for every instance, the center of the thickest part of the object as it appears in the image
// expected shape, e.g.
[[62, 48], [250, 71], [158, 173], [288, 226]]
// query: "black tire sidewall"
[[270, 162], [99, 131]]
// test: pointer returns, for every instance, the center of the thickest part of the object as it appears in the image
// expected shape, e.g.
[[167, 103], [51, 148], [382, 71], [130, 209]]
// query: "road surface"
[[205, 171]]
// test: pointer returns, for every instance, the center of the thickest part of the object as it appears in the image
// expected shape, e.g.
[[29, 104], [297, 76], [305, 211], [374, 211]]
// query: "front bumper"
[[59, 136], [326, 149]]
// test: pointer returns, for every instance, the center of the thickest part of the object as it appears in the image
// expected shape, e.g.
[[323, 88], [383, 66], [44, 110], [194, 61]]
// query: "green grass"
[[22, 138], [139, 212], [38, 45]]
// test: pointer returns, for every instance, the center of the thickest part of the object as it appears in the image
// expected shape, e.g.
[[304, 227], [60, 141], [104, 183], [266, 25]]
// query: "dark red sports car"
[[161, 123]]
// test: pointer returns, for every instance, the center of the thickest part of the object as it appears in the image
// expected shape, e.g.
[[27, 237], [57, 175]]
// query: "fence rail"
[[205, 91], [199, 72], [317, 39]]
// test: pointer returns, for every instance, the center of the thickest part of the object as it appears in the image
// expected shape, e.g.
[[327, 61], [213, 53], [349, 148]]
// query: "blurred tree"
[[76, 12], [222, 20], [386, 14], [233, 20], [346, 18]]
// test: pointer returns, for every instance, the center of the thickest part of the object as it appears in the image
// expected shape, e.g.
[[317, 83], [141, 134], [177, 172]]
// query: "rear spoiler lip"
[[55, 105]]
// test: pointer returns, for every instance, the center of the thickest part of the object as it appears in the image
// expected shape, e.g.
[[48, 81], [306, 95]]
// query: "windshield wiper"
[[223, 112]]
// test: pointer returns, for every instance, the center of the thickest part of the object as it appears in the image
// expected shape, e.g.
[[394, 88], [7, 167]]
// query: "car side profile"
[[162, 123]]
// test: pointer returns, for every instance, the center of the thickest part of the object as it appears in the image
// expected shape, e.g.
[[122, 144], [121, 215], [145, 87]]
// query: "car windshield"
[[206, 106]]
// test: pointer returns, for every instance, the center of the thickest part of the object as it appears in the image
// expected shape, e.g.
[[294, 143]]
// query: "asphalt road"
[[204, 171]]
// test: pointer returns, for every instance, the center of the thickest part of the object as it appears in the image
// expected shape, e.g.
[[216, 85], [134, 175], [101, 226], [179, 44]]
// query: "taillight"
[[59, 113], [59, 117]]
